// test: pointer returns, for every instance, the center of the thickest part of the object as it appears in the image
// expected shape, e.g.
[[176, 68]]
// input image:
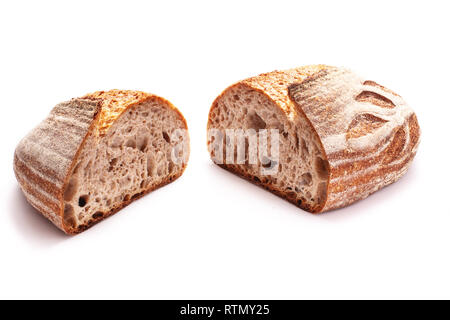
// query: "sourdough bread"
[[341, 137], [94, 155]]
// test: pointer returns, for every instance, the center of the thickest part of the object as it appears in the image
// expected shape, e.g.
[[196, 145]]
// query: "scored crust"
[[347, 135], [69, 151]]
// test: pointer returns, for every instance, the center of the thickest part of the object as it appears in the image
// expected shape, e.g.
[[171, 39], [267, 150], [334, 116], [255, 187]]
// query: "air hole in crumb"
[[116, 142], [97, 215], [291, 194], [256, 179], [75, 170], [321, 168], [82, 200], [305, 149], [137, 195], [268, 163], [142, 142], [306, 179], [131, 143], [71, 189], [322, 192], [150, 165], [171, 166], [112, 163], [68, 215], [166, 137], [254, 121]]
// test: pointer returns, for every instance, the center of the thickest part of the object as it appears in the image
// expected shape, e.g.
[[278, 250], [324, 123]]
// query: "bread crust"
[[341, 109], [44, 183]]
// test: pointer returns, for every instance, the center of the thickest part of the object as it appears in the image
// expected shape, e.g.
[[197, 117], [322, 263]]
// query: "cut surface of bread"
[[94, 155], [340, 137]]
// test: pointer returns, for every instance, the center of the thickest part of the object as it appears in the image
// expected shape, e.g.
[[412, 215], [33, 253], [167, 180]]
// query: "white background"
[[210, 234]]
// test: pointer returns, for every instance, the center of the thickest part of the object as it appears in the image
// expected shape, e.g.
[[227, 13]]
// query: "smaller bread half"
[[341, 136], [96, 154]]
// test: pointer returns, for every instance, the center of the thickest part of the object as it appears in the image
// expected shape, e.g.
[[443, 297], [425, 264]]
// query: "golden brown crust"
[[275, 84], [115, 102]]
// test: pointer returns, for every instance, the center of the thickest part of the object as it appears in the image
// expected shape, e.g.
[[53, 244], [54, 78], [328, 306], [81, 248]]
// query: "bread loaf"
[[341, 137], [94, 155]]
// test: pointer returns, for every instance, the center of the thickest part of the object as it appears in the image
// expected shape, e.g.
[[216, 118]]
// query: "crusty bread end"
[[96, 154]]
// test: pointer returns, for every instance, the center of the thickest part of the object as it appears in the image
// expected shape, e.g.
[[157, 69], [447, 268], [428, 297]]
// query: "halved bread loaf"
[[94, 155], [341, 137]]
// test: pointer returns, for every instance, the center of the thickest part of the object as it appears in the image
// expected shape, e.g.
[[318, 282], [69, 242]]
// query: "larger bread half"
[[94, 155], [340, 136]]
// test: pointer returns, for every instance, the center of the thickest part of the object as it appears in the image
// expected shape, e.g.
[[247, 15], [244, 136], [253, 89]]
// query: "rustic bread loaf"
[[94, 155], [341, 137]]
